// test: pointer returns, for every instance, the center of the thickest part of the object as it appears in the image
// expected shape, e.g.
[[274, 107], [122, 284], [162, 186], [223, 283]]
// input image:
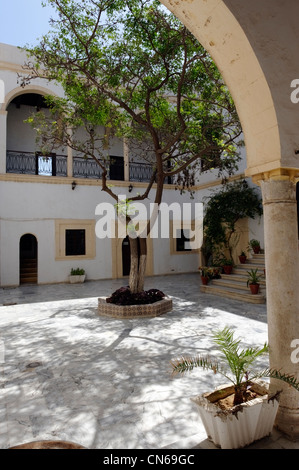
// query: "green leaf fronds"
[[289, 379], [187, 364]]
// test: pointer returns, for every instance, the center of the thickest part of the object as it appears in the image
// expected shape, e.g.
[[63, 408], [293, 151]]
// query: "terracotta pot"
[[204, 280], [256, 249], [242, 259], [254, 288], [227, 269]]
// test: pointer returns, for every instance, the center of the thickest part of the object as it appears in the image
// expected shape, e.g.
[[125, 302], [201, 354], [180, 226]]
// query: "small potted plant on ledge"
[[253, 281], [242, 257], [255, 246], [238, 414], [77, 275]]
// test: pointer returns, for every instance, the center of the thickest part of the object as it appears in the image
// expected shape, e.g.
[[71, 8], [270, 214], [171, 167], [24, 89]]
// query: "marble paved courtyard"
[[67, 373]]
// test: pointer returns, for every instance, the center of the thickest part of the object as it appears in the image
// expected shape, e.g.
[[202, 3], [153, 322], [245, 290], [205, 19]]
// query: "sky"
[[23, 21]]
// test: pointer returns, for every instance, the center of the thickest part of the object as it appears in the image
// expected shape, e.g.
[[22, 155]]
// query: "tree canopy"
[[134, 69], [130, 69]]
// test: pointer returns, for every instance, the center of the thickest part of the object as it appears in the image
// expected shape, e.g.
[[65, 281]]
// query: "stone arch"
[[233, 32], [30, 89], [255, 46]]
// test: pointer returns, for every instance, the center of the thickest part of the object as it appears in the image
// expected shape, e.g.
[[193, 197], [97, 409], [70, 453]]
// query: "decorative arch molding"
[[242, 38], [39, 90]]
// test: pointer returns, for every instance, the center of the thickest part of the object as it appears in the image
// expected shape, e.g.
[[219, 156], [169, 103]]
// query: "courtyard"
[[69, 374]]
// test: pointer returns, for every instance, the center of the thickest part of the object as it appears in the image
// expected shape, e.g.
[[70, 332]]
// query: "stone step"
[[233, 283], [28, 271], [243, 268], [28, 280], [239, 277], [232, 293], [259, 260]]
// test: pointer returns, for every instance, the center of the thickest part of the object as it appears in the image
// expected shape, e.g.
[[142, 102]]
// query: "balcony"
[[30, 163]]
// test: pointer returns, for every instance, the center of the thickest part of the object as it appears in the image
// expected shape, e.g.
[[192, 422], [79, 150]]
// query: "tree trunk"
[[142, 263], [138, 246], [138, 256], [134, 267]]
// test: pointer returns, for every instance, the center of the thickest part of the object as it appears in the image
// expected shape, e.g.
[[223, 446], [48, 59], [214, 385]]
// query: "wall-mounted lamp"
[[130, 188], [74, 184]]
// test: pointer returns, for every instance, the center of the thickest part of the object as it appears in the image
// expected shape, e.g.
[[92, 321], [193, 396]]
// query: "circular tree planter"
[[134, 311], [48, 445]]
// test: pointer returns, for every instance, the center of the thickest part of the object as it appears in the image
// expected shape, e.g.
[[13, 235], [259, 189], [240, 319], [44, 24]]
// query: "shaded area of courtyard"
[[69, 374]]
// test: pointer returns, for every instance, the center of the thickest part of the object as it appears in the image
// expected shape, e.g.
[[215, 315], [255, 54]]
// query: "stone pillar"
[[282, 269], [69, 155], [3, 119], [126, 160]]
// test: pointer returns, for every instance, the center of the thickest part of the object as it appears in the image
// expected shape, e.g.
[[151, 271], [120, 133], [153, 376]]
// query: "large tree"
[[133, 69]]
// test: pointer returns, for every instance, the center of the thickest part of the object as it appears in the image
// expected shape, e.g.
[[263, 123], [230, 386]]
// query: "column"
[[282, 270], [3, 119], [69, 155], [126, 160]]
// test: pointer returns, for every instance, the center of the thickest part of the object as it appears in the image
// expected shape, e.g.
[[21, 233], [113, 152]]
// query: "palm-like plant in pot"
[[230, 412], [253, 280]]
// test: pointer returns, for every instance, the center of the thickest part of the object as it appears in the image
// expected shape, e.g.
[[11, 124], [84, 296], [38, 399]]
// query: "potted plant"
[[238, 414], [227, 265], [253, 281], [206, 274], [242, 257], [255, 246], [77, 275]]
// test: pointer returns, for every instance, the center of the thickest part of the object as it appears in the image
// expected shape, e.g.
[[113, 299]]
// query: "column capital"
[[279, 174], [278, 190]]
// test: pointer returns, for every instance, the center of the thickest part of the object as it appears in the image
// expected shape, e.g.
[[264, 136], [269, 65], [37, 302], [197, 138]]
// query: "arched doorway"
[[126, 256], [28, 259], [125, 249]]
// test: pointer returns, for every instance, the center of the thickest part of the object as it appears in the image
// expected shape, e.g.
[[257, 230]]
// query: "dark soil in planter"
[[124, 296]]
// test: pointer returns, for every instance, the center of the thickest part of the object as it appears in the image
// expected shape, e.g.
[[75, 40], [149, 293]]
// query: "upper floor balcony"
[[31, 163]]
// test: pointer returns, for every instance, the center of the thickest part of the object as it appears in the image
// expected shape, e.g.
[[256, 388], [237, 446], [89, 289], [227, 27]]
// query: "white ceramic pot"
[[77, 279], [242, 424]]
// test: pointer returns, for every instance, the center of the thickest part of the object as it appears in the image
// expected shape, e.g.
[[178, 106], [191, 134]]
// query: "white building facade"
[[48, 206]]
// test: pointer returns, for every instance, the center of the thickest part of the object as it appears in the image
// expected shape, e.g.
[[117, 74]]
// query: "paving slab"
[[67, 373]]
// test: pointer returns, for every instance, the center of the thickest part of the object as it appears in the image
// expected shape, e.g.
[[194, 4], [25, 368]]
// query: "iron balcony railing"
[[29, 163], [34, 163]]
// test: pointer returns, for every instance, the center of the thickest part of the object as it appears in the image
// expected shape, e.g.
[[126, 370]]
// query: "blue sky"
[[23, 21]]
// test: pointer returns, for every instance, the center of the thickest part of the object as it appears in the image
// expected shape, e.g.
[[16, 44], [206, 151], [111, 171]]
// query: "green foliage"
[[224, 209], [235, 364], [77, 272], [132, 67], [254, 243], [253, 277]]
